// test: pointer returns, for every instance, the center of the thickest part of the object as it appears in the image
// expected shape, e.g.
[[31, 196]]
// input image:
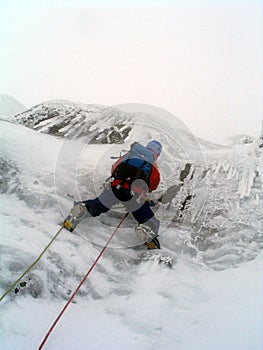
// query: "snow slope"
[[212, 298]]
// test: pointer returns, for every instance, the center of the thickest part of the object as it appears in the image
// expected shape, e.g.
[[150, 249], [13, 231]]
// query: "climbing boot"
[[76, 215], [146, 233]]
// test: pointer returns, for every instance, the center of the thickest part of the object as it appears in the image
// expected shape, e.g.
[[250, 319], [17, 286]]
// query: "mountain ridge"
[[85, 121]]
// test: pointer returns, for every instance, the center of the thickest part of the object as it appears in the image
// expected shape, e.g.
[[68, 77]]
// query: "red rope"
[[82, 281]]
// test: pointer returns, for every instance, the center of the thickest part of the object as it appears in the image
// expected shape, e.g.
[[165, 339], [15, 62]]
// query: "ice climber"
[[132, 177]]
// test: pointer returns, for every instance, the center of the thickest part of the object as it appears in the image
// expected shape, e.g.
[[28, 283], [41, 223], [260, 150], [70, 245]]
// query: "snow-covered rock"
[[211, 221], [93, 123], [239, 140]]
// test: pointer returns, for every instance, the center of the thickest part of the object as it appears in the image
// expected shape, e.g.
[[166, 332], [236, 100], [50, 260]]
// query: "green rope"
[[31, 266]]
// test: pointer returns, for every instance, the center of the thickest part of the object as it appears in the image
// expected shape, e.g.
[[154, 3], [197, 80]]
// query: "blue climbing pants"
[[142, 212]]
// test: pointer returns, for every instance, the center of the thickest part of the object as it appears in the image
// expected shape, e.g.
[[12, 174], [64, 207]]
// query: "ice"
[[210, 299]]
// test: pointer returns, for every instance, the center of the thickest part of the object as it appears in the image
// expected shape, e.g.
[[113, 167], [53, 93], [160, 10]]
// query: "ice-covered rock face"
[[214, 197], [92, 123], [209, 199]]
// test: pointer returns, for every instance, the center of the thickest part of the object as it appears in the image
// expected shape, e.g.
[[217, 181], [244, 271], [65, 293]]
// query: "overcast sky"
[[200, 60]]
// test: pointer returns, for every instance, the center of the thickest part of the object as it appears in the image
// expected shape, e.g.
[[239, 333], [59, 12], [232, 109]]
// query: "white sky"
[[200, 60]]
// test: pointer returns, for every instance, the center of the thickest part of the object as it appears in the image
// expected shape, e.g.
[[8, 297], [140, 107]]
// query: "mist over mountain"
[[10, 106]]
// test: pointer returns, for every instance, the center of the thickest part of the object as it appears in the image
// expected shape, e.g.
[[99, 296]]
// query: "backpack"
[[136, 164]]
